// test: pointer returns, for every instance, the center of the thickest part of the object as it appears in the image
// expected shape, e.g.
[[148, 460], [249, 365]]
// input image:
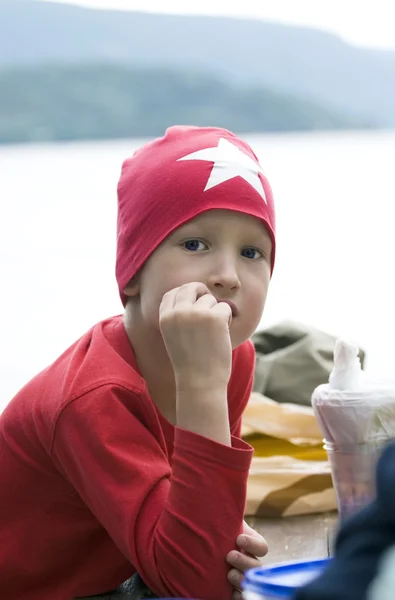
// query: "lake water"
[[335, 196]]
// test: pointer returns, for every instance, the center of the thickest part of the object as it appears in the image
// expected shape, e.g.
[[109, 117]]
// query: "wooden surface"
[[296, 538]]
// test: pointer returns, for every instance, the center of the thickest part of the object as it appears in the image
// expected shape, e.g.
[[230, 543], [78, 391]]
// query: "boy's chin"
[[237, 340]]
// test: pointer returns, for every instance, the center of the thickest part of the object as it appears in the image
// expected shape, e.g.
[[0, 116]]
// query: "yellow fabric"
[[265, 445]]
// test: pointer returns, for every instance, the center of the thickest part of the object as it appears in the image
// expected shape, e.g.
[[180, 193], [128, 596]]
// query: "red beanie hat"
[[172, 179]]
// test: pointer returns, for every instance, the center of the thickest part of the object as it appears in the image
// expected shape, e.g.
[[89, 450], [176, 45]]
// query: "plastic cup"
[[354, 474], [281, 581]]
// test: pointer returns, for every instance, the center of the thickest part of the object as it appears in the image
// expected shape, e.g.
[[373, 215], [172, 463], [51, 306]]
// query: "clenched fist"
[[195, 330]]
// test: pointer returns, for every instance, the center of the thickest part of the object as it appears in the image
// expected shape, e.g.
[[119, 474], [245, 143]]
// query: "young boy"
[[124, 455]]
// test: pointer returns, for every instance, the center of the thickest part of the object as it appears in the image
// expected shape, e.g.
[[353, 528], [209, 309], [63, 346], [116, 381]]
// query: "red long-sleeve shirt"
[[96, 484]]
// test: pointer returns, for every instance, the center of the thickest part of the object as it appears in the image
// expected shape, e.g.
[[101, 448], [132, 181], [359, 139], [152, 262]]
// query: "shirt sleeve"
[[174, 524]]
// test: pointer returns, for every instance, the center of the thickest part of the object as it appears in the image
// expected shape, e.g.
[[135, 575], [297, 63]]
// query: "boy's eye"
[[251, 253], [194, 245]]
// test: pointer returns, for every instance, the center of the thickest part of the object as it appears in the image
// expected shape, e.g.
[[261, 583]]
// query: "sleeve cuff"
[[237, 457]]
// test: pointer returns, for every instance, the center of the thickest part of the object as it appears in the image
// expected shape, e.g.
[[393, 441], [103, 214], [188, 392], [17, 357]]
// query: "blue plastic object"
[[281, 581]]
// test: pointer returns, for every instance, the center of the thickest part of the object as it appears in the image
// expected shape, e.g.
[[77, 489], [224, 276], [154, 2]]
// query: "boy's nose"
[[224, 277]]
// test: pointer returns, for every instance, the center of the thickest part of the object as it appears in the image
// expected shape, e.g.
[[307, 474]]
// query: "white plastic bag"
[[351, 408]]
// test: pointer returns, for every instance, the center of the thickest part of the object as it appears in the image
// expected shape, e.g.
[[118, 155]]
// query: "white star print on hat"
[[229, 162]]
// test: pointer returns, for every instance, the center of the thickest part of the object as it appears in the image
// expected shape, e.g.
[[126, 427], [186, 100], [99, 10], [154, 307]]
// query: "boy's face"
[[229, 252]]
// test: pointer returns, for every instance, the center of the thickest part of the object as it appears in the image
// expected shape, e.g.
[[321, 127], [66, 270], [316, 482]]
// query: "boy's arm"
[[175, 525], [240, 386], [195, 328]]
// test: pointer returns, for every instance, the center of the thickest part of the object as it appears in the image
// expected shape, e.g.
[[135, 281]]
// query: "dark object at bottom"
[[133, 589]]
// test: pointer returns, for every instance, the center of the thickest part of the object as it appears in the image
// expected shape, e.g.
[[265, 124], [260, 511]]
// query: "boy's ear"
[[133, 288]]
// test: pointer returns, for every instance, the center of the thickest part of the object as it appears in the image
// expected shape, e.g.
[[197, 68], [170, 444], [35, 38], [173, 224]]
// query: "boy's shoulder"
[[102, 355], [100, 358]]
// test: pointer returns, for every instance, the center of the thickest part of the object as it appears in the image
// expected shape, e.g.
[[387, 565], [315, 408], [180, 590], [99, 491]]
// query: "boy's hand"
[[252, 545], [195, 330]]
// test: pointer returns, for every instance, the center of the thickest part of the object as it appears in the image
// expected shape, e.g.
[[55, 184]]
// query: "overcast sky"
[[361, 22]]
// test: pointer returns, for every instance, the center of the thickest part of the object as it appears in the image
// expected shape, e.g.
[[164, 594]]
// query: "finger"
[[207, 301], [235, 578], [242, 562], [249, 530], [224, 311], [253, 544], [168, 300], [190, 292]]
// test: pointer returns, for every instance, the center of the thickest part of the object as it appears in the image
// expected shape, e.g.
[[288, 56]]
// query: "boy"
[[124, 455]]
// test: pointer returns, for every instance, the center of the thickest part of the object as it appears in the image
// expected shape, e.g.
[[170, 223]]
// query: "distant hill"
[[98, 102], [299, 61]]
